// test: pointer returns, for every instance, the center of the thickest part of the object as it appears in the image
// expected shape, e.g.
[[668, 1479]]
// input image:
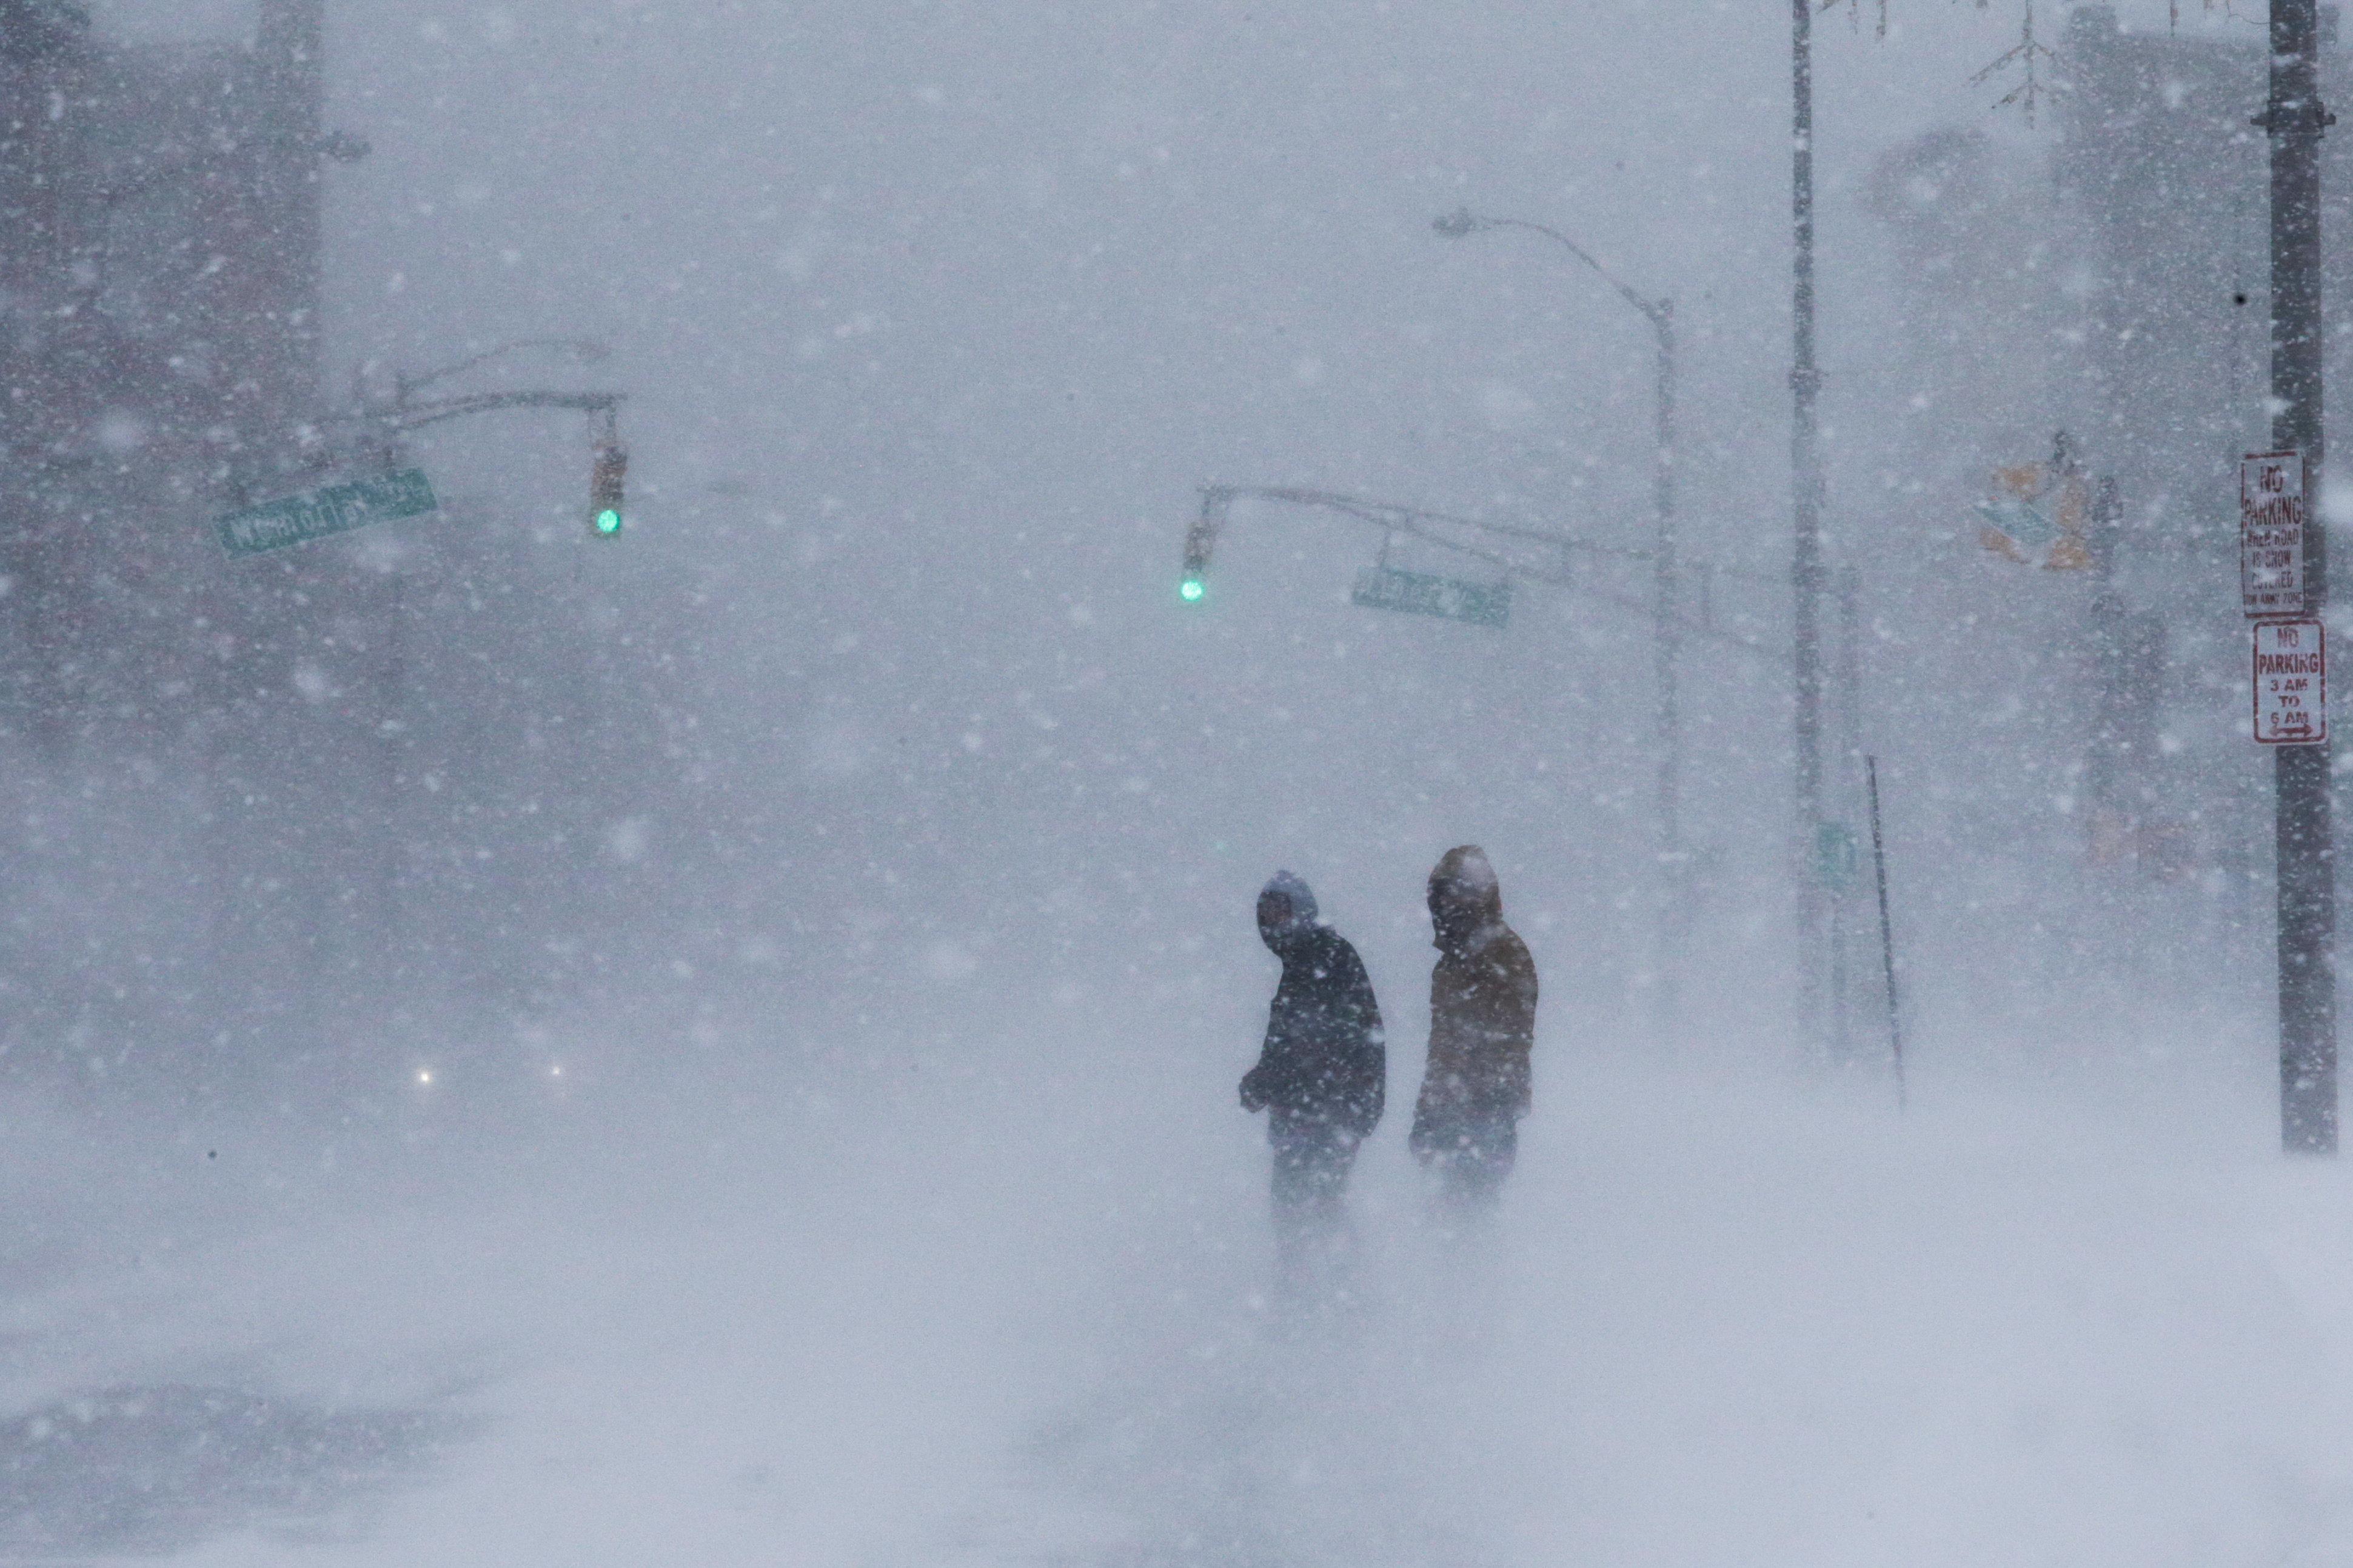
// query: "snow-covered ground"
[[1008, 1302]]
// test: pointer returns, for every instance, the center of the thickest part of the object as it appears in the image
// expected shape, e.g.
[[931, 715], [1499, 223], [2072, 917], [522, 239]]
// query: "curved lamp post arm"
[[1463, 221], [1659, 313]]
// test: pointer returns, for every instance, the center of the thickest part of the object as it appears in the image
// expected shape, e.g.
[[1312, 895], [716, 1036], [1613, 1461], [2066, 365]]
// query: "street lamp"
[[1661, 314]]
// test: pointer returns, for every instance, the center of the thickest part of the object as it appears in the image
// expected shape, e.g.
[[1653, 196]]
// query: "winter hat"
[[1302, 902]]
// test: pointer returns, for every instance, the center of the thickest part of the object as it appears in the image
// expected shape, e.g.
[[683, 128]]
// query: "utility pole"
[[1806, 499], [2294, 121]]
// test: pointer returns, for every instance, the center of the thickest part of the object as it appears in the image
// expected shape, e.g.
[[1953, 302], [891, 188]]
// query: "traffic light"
[[607, 486], [1200, 539]]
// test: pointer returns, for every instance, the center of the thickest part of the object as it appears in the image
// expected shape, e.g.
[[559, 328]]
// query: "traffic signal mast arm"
[[588, 350], [417, 416], [1389, 517], [1201, 539], [609, 459]]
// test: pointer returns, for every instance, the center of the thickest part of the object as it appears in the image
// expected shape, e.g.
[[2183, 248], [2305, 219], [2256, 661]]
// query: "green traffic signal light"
[[608, 486], [1190, 590]]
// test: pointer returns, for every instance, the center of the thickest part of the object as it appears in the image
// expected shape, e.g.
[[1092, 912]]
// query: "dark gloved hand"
[[1252, 1100]]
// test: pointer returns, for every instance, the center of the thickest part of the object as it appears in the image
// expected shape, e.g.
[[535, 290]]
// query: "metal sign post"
[[2293, 121], [1886, 932]]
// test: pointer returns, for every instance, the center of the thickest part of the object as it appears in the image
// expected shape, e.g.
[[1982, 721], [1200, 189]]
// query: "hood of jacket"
[[1286, 933], [1465, 900]]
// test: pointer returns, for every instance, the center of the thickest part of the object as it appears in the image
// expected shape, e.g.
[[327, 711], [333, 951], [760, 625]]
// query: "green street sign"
[[316, 514], [1836, 855], [1386, 588]]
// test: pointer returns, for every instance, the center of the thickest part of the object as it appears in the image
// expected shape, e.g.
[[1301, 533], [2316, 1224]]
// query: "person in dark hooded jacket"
[[1322, 1070], [1482, 1025]]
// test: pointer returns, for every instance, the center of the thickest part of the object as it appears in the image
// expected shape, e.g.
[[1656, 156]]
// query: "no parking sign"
[[2291, 683]]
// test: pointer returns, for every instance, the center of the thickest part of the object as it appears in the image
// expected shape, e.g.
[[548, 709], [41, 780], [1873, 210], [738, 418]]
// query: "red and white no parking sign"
[[2291, 683]]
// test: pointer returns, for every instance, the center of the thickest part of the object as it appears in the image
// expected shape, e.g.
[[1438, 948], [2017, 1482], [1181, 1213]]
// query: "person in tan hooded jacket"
[[1482, 1025]]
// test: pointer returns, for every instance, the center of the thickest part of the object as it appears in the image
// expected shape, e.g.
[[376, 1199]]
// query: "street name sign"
[[2271, 533], [334, 509], [1419, 593], [2291, 683]]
